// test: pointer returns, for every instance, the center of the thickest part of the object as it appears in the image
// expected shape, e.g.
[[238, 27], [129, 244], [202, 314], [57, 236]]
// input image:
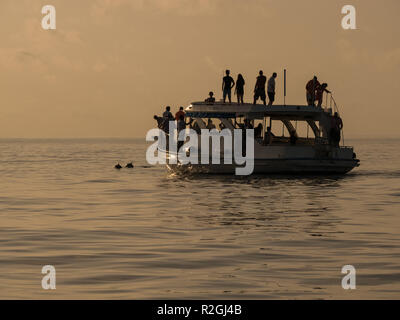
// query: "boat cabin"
[[285, 119]]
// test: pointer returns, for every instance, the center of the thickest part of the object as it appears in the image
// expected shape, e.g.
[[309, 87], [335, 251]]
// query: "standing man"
[[336, 128], [259, 89], [167, 117], [271, 89], [311, 86], [227, 84], [167, 114], [320, 92], [179, 114]]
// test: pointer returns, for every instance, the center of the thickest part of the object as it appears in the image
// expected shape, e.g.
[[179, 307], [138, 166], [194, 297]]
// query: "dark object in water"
[[129, 165], [118, 166]]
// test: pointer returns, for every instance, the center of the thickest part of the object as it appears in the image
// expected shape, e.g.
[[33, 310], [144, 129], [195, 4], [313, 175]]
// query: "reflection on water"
[[147, 233]]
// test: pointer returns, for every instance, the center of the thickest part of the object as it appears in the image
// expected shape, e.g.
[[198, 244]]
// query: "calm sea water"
[[144, 233]]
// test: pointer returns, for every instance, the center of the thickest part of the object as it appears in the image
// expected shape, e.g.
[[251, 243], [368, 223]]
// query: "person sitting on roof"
[[210, 98], [320, 92], [311, 87], [179, 114]]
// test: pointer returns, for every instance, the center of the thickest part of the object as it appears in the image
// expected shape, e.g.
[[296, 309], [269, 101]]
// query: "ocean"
[[144, 233]]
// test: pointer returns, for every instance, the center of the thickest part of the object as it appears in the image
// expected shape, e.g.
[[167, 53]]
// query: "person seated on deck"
[[210, 98], [258, 131], [195, 126], [210, 125], [239, 125], [179, 114], [160, 122], [247, 124], [269, 136], [320, 92], [311, 86]]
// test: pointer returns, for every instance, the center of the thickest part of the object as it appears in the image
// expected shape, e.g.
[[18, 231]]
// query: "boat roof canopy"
[[254, 111]]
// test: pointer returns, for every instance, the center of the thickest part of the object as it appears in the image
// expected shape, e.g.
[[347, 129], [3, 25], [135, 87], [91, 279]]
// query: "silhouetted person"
[[320, 92], [271, 89], [167, 117], [239, 89], [129, 165], [336, 127], [258, 131], [247, 124], [195, 126], [179, 114], [269, 136], [259, 89], [210, 125], [181, 125], [167, 113], [118, 166], [210, 98], [311, 87], [227, 84], [160, 122]]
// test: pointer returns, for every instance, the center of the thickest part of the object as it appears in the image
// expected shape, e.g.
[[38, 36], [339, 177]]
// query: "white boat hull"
[[274, 166]]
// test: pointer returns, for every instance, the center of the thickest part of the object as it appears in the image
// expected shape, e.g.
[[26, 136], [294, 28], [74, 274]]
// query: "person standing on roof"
[[239, 89], [271, 89], [227, 84], [311, 87], [320, 92], [259, 89]]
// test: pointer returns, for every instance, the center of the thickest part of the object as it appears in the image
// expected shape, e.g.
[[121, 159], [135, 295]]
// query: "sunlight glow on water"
[[144, 233]]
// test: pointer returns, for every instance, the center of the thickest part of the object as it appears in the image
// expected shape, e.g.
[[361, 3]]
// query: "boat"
[[288, 153]]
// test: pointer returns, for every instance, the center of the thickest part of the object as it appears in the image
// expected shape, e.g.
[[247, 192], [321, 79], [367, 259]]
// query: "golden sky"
[[112, 64]]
